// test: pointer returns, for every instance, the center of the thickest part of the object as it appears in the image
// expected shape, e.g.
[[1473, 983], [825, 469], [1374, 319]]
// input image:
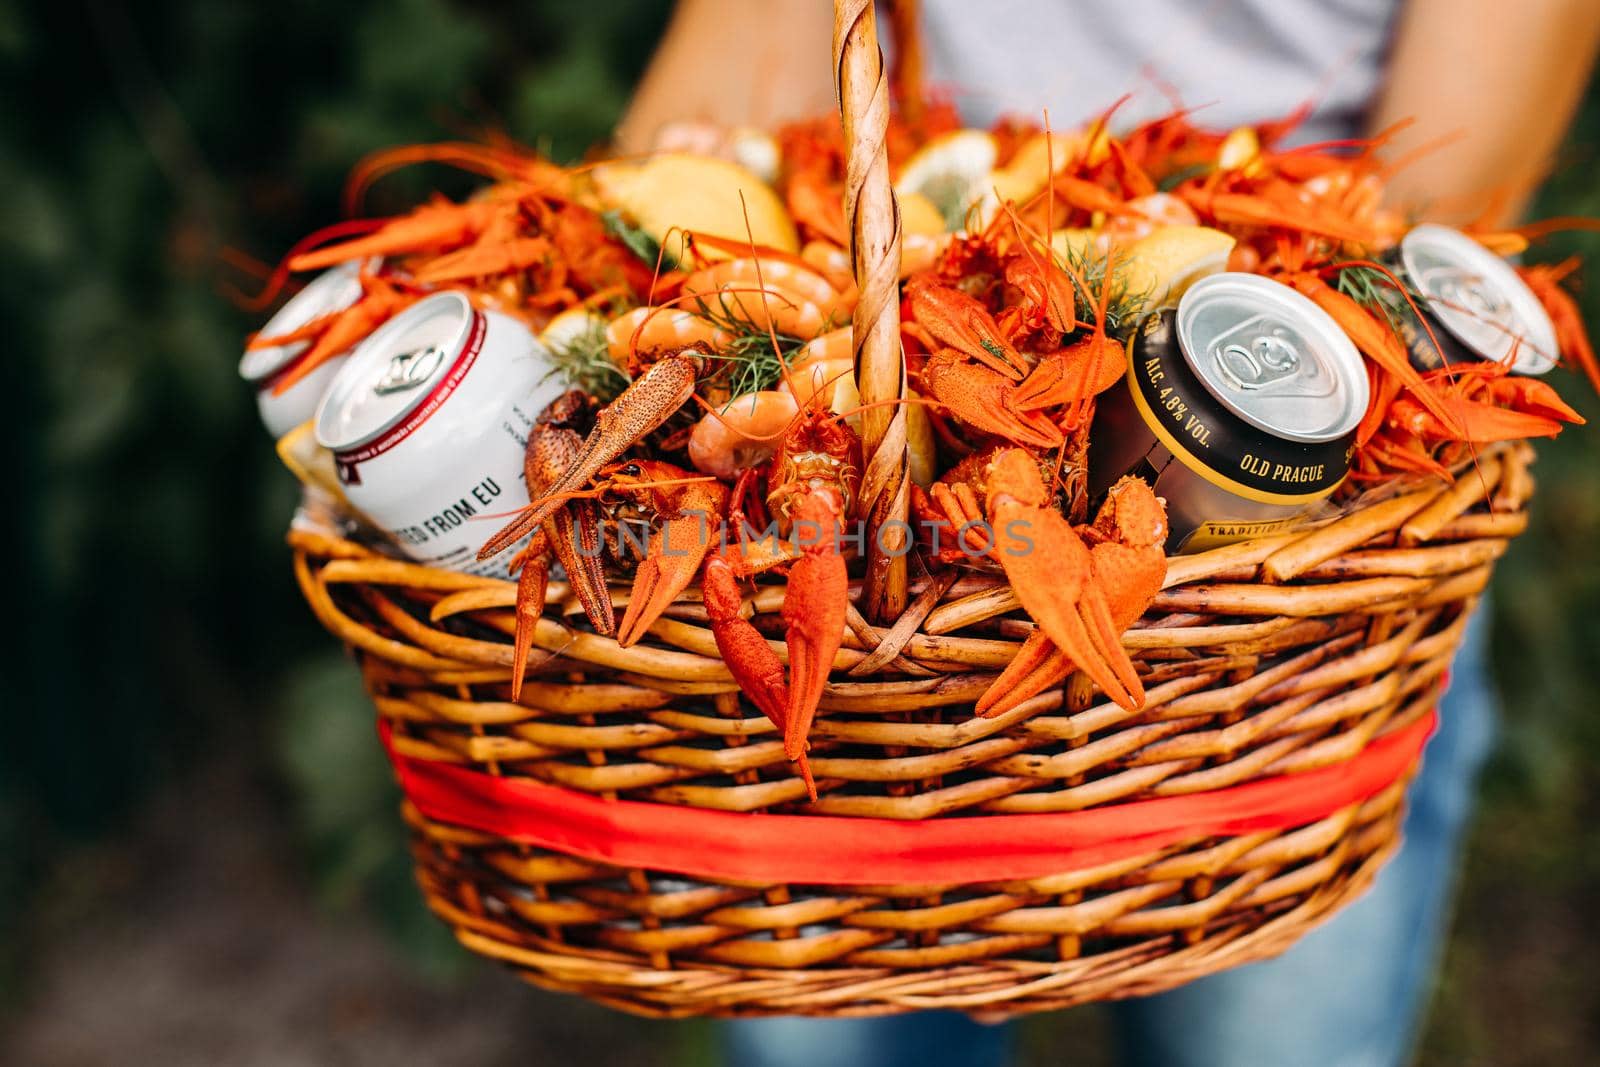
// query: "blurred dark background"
[[200, 860]]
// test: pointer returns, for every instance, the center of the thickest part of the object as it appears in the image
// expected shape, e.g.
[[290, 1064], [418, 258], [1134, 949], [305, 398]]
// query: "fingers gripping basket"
[[631, 831]]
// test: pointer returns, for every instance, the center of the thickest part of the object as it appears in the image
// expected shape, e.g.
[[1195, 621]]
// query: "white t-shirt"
[[1245, 60]]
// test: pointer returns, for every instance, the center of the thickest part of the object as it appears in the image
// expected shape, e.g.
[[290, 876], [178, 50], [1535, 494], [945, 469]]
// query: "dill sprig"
[[1171, 181], [586, 362], [1123, 303], [637, 241], [749, 361], [1377, 292]]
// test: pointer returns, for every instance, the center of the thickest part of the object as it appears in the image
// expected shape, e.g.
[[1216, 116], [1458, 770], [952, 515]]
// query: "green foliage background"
[[154, 625]]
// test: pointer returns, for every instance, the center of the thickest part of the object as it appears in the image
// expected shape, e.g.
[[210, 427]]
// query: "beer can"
[[1474, 302], [428, 422], [333, 290], [1240, 408]]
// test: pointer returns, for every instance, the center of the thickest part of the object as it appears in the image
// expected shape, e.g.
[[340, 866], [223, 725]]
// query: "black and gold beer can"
[[1473, 303], [1240, 409]]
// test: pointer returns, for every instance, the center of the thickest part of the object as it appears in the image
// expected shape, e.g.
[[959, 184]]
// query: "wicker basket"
[[1274, 660]]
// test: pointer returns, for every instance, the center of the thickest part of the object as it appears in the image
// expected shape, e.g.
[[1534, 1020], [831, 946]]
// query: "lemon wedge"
[[310, 462], [952, 171], [1163, 264], [571, 325], [1072, 245], [922, 460], [1241, 150], [675, 191], [919, 215], [1034, 157]]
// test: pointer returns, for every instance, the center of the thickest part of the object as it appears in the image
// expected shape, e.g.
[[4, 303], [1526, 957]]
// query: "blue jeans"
[[1350, 994]]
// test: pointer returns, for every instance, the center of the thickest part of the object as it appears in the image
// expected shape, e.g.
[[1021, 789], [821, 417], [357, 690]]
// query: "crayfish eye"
[[631, 470]]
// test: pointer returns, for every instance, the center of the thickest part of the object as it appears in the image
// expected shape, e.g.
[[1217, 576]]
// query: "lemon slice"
[[919, 215], [1034, 157], [1163, 264], [1027, 172], [310, 462], [571, 325], [1072, 245], [1241, 150], [952, 171], [922, 460], [696, 193]]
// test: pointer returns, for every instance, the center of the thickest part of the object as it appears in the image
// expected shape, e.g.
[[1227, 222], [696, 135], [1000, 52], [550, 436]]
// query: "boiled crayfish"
[[1083, 586], [685, 507]]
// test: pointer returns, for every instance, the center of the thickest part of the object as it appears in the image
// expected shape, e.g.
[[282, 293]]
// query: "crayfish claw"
[[653, 398], [1073, 374], [751, 661], [531, 586], [1051, 571], [577, 543], [814, 611], [674, 559], [1037, 666], [985, 399]]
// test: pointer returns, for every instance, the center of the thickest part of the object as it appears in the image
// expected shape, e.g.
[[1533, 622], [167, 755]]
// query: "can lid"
[[1272, 357], [393, 371], [1479, 298], [333, 290]]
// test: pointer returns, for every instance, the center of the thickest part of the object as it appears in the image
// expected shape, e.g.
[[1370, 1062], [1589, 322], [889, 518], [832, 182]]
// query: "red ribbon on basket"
[[837, 850]]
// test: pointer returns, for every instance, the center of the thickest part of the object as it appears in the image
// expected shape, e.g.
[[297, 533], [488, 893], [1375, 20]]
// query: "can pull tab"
[[407, 370], [1465, 291], [1259, 358]]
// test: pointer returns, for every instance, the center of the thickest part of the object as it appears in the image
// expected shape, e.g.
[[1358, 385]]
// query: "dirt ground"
[[201, 946]]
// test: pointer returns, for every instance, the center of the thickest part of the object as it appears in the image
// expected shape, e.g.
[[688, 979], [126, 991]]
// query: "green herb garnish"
[[750, 362], [1183, 174], [637, 241], [585, 361], [1377, 292], [1123, 305]]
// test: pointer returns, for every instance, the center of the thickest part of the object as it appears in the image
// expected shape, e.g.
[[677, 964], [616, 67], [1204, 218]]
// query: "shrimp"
[[780, 294], [652, 329], [742, 434]]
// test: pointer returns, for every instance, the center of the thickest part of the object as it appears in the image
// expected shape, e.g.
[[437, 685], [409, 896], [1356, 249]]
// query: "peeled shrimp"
[[790, 297], [1147, 214], [824, 369], [648, 329], [743, 433]]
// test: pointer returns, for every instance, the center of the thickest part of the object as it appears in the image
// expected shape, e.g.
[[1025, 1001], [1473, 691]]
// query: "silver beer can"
[[1475, 303], [428, 422], [1240, 408], [333, 290]]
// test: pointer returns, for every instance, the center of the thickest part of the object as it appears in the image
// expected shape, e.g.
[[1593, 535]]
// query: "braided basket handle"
[[873, 215]]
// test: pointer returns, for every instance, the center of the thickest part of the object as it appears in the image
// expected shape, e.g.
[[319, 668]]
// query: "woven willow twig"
[[874, 219], [1260, 659]]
